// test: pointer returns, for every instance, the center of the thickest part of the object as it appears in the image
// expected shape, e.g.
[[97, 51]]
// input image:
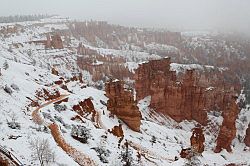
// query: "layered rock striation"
[[122, 104], [189, 96]]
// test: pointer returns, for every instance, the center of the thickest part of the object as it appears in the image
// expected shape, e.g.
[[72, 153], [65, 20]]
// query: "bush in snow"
[[59, 119], [193, 161], [42, 151], [47, 116], [13, 122], [102, 154], [126, 156], [5, 65], [7, 89], [243, 119], [81, 133], [153, 140], [15, 87], [60, 108]]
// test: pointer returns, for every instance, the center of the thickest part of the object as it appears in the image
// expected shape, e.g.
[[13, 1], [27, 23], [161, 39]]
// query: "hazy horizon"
[[220, 15]]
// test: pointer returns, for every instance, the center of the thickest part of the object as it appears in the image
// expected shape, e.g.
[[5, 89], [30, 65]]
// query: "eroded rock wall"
[[122, 104], [189, 96]]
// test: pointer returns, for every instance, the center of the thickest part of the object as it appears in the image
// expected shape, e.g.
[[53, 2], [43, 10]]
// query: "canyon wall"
[[122, 104], [189, 96], [101, 66], [54, 41]]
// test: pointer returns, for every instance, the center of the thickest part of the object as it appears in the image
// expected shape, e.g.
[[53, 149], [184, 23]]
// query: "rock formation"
[[228, 129], [247, 137], [101, 66], [85, 107], [189, 95], [122, 104], [117, 131], [54, 71], [197, 140], [54, 41], [82, 50]]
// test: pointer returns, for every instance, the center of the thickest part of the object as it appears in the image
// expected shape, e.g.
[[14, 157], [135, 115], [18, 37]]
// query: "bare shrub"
[[42, 151]]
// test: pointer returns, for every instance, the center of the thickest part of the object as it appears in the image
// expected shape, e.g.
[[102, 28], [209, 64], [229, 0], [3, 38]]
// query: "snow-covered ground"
[[29, 69]]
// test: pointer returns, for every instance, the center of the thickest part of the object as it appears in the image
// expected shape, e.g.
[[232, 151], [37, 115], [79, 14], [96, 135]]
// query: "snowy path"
[[147, 153], [99, 121], [35, 114], [79, 157]]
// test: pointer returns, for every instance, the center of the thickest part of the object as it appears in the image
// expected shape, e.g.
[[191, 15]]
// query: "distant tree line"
[[22, 18]]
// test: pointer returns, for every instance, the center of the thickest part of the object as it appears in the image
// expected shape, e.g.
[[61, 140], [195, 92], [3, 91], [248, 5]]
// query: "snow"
[[33, 72]]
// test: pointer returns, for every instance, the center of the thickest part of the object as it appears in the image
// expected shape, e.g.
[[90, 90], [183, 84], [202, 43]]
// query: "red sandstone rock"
[[197, 140], [77, 118], [103, 65], [82, 50], [189, 96], [121, 103], [117, 131], [185, 153], [85, 107], [54, 41], [47, 95], [54, 71], [228, 129], [247, 137]]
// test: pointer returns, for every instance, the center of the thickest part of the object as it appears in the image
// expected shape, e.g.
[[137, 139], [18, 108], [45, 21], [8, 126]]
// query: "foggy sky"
[[230, 15]]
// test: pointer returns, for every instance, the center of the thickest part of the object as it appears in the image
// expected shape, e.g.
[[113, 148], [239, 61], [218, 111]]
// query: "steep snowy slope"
[[26, 71]]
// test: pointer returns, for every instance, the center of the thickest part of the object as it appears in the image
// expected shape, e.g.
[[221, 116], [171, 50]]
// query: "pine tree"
[[126, 156], [153, 140], [5, 65]]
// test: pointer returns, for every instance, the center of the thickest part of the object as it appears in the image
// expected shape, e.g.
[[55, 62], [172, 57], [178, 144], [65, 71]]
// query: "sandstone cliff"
[[197, 140], [189, 96], [122, 104]]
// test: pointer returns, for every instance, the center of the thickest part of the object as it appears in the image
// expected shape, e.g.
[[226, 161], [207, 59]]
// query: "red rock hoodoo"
[[247, 137], [117, 131], [122, 104], [188, 96], [228, 129], [85, 107], [197, 140]]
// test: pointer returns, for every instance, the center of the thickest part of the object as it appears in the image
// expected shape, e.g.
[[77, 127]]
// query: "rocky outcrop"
[[247, 137], [228, 129], [84, 108], [197, 140], [122, 104], [117, 131], [54, 71], [54, 41], [177, 99], [189, 96], [101, 66], [82, 50], [47, 95]]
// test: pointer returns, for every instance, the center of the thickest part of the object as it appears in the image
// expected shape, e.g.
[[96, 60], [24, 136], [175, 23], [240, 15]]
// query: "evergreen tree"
[[126, 156], [5, 65], [153, 140]]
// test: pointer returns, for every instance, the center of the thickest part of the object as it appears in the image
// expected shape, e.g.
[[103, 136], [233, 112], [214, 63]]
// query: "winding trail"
[[146, 153], [79, 157], [99, 121]]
